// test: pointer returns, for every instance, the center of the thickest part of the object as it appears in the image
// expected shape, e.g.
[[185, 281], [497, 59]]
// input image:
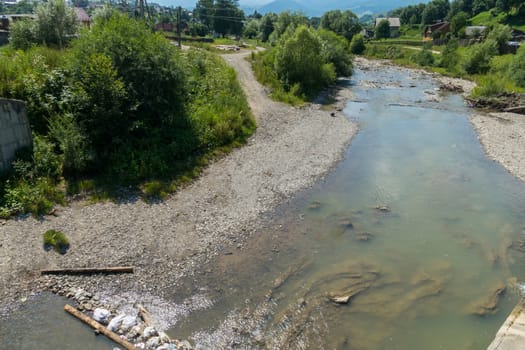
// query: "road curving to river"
[[291, 149]]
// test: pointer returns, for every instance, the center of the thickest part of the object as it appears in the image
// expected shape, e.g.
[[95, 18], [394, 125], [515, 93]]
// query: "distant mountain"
[[309, 7], [278, 6], [318, 7]]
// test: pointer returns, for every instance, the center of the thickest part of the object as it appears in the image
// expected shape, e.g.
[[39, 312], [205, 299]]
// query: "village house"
[[394, 23], [435, 31]]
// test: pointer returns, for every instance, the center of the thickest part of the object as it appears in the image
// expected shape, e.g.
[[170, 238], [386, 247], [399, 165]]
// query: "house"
[[367, 33], [394, 23], [437, 30], [472, 31], [82, 16]]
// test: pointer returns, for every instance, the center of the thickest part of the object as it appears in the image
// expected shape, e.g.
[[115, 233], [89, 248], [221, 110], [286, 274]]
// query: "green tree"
[[266, 26], [344, 23], [227, 17], [383, 29], [299, 62], [56, 23], [22, 34], [517, 67], [335, 50], [458, 22], [436, 10], [449, 57], [120, 56], [479, 57], [287, 21], [203, 12], [501, 34], [357, 46], [251, 28]]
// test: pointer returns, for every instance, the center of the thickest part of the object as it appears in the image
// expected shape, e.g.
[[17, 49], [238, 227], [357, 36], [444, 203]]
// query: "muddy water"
[[416, 230]]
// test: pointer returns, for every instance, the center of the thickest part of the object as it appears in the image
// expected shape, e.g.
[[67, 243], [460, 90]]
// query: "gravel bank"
[[291, 149]]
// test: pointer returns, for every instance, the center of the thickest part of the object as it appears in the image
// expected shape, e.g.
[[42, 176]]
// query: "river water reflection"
[[416, 226]]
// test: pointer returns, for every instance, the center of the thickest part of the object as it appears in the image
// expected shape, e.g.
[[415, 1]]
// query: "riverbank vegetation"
[[482, 55], [120, 106], [302, 60]]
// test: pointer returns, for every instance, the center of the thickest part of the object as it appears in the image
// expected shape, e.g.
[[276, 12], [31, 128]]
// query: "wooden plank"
[[87, 270], [146, 316], [99, 327]]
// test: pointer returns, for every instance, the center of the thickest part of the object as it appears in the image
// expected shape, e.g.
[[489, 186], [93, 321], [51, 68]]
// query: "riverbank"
[[291, 149]]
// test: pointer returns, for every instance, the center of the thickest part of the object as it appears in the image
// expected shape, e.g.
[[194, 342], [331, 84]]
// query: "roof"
[[469, 30], [393, 21], [82, 15]]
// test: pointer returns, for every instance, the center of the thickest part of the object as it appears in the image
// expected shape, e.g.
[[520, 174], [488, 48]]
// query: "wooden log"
[[87, 270], [99, 327], [146, 316]]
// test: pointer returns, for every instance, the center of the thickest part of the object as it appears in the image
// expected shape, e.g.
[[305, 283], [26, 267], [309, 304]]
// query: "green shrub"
[[299, 60], [423, 58], [489, 86], [37, 197], [479, 56], [517, 67], [357, 46], [72, 143], [56, 240], [335, 50]]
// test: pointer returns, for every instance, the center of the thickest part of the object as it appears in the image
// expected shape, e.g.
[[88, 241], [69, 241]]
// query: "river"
[[416, 228], [416, 225]]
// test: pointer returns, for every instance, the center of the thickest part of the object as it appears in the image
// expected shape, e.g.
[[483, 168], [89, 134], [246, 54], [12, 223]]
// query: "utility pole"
[[179, 17]]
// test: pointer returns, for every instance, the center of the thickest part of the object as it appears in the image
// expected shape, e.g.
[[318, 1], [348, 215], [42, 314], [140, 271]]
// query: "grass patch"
[[56, 240]]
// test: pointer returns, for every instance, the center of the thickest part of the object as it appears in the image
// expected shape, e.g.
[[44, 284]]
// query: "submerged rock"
[[487, 305]]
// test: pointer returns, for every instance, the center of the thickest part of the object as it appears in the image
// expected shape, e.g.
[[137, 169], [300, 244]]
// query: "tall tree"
[[266, 26], [204, 12], [383, 29], [344, 23], [227, 18], [56, 23]]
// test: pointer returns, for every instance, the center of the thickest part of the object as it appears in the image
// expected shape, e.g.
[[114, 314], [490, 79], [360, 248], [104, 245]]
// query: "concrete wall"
[[15, 132]]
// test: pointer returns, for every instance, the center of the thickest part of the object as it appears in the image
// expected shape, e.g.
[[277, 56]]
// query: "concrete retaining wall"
[[15, 132]]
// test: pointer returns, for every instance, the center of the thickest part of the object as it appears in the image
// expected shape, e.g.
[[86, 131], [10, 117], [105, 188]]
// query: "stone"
[[127, 323], [115, 323], [167, 347], [164, 337], [153, 343], [149, 332], [101, 315]]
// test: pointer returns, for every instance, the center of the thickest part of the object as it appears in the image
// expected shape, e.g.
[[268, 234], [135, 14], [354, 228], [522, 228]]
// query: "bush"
[[72, 143], [357, 46], [22, 34], [423, 58], [56, 240], [479, 57], [37, 197], [517, 67], [335, 50], [299, 60], [489, 86]]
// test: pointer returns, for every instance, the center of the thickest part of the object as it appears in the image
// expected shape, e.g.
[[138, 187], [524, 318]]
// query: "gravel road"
[[291, 149]]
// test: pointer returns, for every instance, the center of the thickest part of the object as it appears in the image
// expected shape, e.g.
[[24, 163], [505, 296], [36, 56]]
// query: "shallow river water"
[[416, 228], [416, 225]]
